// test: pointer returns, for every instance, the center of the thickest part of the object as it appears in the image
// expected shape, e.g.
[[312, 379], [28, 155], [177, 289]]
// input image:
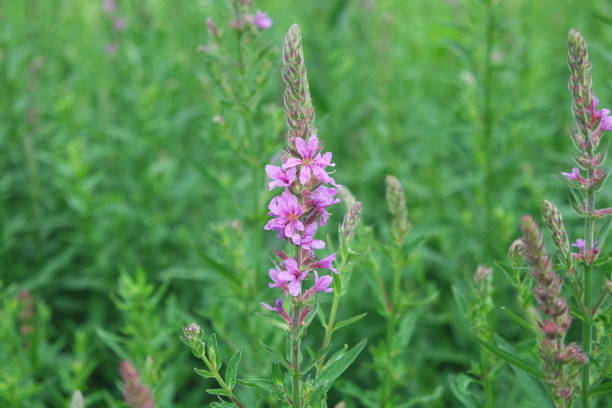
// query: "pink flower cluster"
[[597, 122], [297, 213]]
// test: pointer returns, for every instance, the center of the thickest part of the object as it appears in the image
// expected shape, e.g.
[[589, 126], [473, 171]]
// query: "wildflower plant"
[[308, 189], [565, 291], [304, 278]]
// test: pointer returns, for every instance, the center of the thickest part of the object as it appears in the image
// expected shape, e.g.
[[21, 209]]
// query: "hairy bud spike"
[[397, 206], [299, 110], [554, 223], [350, 222]]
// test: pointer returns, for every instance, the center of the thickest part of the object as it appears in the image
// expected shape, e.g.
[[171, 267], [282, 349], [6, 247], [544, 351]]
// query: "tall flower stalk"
[[300, 208], [560, 363], [586, 180], [307, 190]]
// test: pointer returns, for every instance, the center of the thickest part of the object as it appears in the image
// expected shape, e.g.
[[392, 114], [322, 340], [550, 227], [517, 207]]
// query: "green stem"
[[222, 383], [331, 321], [486, 378], [587, 289], [296, 310]]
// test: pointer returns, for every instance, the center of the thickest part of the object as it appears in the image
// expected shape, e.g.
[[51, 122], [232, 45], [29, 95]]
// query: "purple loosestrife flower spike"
[[591, 122], [397, 206], [560, 376], [554, 222], [135, 393], [302, 205], [299, 111]]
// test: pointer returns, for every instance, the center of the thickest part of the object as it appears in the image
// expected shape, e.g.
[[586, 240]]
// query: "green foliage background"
[[111, 165]]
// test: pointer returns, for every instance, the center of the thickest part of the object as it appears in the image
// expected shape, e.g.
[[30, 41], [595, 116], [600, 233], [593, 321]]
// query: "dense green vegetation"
[[133, 196]]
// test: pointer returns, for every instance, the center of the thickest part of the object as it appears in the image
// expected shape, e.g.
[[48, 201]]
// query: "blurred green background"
[[118, 154]]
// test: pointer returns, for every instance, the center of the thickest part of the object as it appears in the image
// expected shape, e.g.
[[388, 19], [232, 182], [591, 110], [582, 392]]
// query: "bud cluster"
[[591, 122], [560, 363], [397, 206]]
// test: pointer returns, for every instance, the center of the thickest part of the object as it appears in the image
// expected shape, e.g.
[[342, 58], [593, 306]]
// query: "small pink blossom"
[[306, 240], [574, 175], [326, 263], [262, 20], [278, 308], [287, 211], [311, 162], [110, 6], [293, 276], [321, 198], [321, 284], [280, 177]]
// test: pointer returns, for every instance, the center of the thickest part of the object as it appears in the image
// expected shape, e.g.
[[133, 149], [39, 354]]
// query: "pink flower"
[[580, 244], [293, 276], [574, 175], [119, 24], [321, 198], [278, 308], [320, 285], [277, 282], [262, 20], [280, 177], [287, 211], [110, 6], [326, 263], [307, 241], [312, 163]]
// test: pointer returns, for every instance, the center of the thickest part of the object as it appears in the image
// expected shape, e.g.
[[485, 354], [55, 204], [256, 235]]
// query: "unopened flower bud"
[[554, 223], [192, 332], [350, 222], [516, 253], [482, 273], [397, 206]]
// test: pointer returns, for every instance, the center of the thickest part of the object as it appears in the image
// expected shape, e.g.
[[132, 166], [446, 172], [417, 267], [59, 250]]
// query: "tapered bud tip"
[[77, 400], [482, 273], [192, 332], [346, 196], [351, 221], [516, 253]]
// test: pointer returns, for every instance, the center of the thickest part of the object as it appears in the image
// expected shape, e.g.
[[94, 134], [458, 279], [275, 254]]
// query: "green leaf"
[[533, 390], [204, 373], [218, 391], [460, 387], [346, 322], [512, 359], [222, 405], [315, 359], [262, 384], [422, 399], [112, 341], [336, 365], [517, 319], [601, 389], [406, 329], [276, 356], [232, 368]]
